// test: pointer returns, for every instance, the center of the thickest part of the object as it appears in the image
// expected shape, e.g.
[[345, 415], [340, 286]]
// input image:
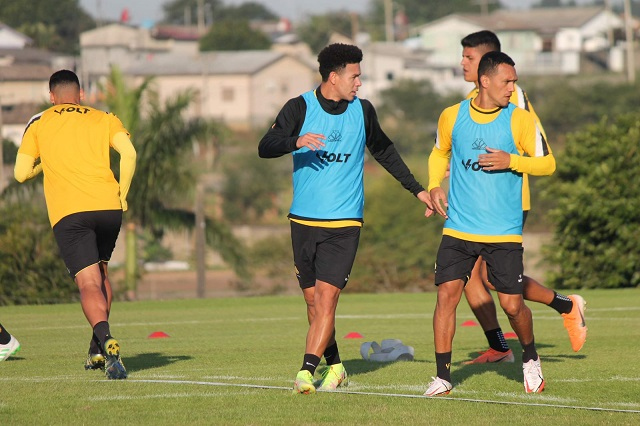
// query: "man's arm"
[[539, 160], [439, 159], [122, 144], [24, 168], [282, 137]]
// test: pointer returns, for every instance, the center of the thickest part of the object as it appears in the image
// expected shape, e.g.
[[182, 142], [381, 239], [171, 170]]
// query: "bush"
[[31, 270], [597, 207]]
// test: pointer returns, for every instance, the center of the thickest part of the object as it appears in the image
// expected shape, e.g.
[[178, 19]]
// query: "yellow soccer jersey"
[[520, 99], [73, 144]]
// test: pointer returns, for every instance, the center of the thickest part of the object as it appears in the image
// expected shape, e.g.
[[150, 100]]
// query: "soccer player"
[[326, 131], [9, 345], [84, 200], [490, 143], [570, 307]]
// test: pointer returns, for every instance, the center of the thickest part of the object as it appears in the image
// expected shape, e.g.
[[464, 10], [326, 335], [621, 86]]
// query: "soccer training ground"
[[233, 361]]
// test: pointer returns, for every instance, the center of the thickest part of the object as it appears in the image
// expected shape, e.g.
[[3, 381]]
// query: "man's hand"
[[494, 160], [425, 197], [439, 200], [310, 140]]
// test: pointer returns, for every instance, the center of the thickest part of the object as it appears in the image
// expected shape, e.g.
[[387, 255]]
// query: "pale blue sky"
[[151, 10]]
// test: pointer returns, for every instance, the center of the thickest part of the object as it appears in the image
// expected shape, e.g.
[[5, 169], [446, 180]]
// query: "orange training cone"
[[158, 335]]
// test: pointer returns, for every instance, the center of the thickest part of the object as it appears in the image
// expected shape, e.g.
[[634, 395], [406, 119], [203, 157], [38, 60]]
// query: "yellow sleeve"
[[122, 144], [28, 153], [539, 160], [24, 168], [439, 158]]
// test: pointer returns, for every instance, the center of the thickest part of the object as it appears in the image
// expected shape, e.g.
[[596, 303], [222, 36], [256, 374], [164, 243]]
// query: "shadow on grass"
[[150, 360], [509, 370], [361, 366]]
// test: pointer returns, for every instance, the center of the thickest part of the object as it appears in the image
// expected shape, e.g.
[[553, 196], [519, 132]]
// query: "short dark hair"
[[482, 38], [63, 78], [335, 57], [491, 60]]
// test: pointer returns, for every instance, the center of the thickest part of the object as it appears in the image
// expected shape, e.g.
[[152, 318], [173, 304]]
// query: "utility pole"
[[484, 6], [200, 243], [631, 62], [388, 20]]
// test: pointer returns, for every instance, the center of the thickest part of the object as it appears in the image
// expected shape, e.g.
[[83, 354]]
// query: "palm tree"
[[165, 175]]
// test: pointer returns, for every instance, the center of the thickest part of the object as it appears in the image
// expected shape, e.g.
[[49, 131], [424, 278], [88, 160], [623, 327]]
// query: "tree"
[[596, 214], [165, 176], [234, 35], [214, 10], [52, 25], [317, 30]]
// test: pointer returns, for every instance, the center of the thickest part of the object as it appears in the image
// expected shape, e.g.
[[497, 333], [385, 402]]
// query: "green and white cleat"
[[333, 377], [9, 349], [304, 383]]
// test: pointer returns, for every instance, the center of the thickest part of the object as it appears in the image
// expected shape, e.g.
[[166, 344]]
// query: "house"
[[541, 40], [241, 88], [12, 39]]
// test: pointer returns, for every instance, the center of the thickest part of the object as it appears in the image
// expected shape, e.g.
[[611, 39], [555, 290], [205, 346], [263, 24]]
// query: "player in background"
[[84, 200], [572, 307], [326, 131]]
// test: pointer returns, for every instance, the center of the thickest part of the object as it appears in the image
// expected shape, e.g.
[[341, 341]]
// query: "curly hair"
[[335, 58]]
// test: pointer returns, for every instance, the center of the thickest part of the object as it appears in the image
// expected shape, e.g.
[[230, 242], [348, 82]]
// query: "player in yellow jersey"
[[571, 307], [84, 200]]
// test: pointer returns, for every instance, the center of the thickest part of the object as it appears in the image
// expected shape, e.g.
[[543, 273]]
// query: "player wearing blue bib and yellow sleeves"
[[490, 144]]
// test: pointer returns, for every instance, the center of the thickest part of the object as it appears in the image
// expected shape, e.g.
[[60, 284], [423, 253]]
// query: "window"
[[228, 94]]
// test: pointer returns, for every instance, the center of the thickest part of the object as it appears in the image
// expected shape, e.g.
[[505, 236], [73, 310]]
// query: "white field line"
[[396, 395]]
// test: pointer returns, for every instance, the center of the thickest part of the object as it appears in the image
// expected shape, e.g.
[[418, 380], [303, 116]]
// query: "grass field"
[[233, 361]]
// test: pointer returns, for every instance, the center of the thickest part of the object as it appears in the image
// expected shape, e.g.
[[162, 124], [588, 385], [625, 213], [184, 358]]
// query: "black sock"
[[331, 354], [310, 363], [94, 345], [443, 365], [101, 330], [496, 340], [561, 303], [529, 352], [5, 337]]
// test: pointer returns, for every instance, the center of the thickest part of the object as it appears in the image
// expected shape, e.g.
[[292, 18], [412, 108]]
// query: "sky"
[[141, 11]]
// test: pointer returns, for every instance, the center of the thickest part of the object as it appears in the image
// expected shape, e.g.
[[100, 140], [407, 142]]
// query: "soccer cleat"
[[113, 366], [9, 348], [438, 387], [533, 380], [491, 355], [304, 383], [574, 322], [333, 377], [94, 362]]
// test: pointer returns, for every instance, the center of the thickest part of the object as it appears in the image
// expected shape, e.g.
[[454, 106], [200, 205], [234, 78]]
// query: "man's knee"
[[513, 306]]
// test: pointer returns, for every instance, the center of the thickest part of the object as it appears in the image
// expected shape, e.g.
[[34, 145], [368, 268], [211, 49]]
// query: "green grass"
[[217, 345]]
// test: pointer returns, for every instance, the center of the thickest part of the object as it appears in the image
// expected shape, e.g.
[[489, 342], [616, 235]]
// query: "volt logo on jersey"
[[332, 157], [475, 166]]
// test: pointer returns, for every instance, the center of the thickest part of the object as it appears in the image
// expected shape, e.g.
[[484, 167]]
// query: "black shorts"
[[325, 254], [86, 238], [456, 258]]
